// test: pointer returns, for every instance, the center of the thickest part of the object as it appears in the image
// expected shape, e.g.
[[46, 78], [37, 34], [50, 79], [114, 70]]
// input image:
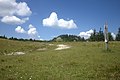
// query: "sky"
[[46, 19]]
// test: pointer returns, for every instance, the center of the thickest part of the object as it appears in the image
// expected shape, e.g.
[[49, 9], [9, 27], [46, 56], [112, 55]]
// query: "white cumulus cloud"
[[19, 29], [11, 9], [86, 34], [53, 21], [7, 7], [113, 35], [23, 9], [13, 20], [32, 31]]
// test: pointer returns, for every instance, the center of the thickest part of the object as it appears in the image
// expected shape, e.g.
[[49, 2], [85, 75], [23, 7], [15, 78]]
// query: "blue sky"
[[73, 17]]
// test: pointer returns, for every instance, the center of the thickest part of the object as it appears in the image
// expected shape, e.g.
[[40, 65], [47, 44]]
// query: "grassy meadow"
[[83, 61]]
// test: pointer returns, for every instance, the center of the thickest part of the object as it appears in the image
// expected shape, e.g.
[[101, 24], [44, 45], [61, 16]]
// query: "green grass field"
[[83, 61]]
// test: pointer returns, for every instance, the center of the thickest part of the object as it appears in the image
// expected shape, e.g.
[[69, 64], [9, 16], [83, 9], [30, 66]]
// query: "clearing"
[[77, 61]]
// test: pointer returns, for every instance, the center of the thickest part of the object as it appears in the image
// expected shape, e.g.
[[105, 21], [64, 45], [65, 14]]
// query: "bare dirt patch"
[[62, 46], [50, 44], [16, 53], [41, 49]]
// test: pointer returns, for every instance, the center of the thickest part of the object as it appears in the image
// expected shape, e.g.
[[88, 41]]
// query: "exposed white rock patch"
[[9, 53], [19, 53], [51, 44], [41, 49], [62, 46], [16, 53]]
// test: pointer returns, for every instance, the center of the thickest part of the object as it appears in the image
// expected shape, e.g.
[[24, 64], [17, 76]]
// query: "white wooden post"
[[106, 35]]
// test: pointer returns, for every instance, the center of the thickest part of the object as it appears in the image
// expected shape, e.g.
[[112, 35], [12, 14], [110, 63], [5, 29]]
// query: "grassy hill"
[[67, 38], [83, 61]]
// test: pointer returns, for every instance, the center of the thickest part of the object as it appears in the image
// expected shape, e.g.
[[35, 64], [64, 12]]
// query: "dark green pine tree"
[[93, 36], [118, 35], [100, 35]]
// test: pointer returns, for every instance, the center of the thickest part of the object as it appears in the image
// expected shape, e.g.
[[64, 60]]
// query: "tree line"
[[67, 38], [95, 36], [21, 39], [99, 36]]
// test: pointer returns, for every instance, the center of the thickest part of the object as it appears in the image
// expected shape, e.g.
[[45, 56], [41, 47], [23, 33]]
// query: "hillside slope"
[[82, 61]]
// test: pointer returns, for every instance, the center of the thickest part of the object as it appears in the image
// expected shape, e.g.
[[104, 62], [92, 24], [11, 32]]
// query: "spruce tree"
[[118, 35]]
